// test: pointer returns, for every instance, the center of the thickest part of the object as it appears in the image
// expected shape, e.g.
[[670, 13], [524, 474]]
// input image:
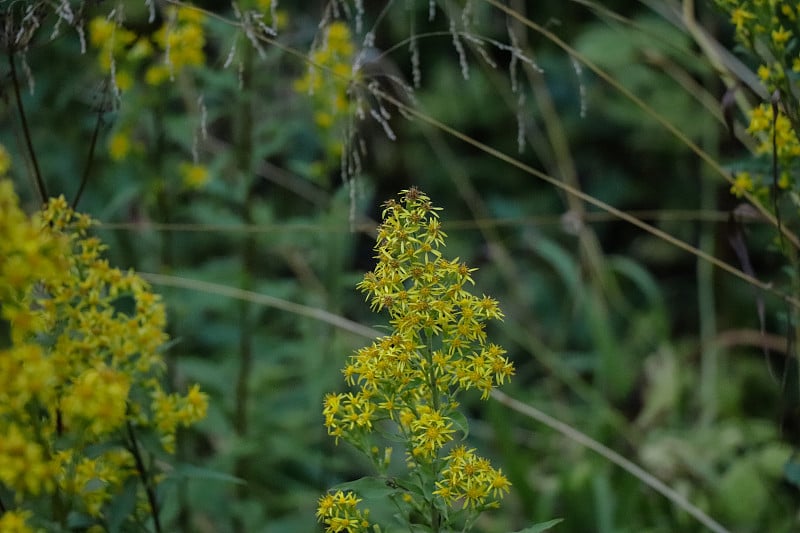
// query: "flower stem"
[[148, 487]]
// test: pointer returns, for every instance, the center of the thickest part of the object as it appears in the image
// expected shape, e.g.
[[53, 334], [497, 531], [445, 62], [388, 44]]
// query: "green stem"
[[435, 404], [146, 481]]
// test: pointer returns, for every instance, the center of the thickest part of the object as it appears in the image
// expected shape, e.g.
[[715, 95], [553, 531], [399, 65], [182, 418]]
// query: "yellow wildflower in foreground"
[[408, 381], [339, 512], [80, 380], [15, 522]]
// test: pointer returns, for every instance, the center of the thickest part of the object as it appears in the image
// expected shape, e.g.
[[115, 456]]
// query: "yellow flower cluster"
[[774, 21], [410, 378], [769, 29], [15, 522], [194, 176], [767, 131], [181, 40], [761, 127], [117, 49], [179, 43], [84, 362], [327, 81], [483, 483], [339, 513], [742, 184]]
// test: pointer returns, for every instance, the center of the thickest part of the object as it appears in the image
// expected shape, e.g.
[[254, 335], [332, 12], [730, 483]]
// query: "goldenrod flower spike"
[[82, 376], [407, 382]]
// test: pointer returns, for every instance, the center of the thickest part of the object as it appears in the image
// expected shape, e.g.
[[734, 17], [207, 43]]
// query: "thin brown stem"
[[92, 146], [37, 175]]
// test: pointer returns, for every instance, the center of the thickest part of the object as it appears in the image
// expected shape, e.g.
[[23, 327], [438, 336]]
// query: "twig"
[[26, 131], [612, 456], [92, 145]]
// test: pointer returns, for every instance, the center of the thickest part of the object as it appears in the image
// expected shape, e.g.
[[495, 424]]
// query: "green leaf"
[[122, 506], [460, 422], [542, 526], [791, 471], [369, 487]]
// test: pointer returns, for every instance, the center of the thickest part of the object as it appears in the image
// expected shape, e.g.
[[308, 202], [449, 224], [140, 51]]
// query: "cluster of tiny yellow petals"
[[340, 514], [471, 480], [86, 342], [152, 57], [778, 135], [743, 183], [95, 401], [120, 144], [5, 160], [430, 431], [112, 41], [327, 81], [772, 20], [15, 522], [95, 480], [763, 126], [24, 464], [194, 176], [769, 30], [171, 411], [409, 379], [181, 40]]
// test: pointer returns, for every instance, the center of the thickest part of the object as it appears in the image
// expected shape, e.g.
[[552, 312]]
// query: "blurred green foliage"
[[614, 331]]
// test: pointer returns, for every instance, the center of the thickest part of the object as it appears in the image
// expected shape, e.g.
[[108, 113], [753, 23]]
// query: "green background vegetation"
[[613, 330]]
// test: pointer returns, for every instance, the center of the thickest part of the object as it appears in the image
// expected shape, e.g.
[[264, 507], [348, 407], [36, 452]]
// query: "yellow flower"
[[5, 160], [190, 15], [760, 119], [781, 36], [323, 119], [739, 17], [67, 381], [15, 522], [140, 50], [119, 145], [339, 513], [742, 184], [156, 74], [408, 379], [96, 400], [194, 176], [182, 42], [124, 80], [101, 31], [763, 72], [196, 406]]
